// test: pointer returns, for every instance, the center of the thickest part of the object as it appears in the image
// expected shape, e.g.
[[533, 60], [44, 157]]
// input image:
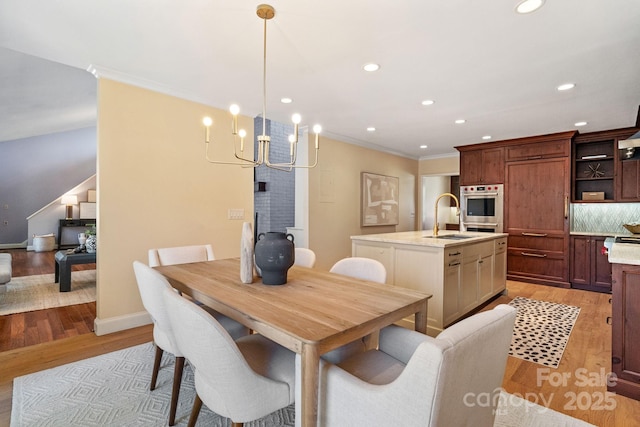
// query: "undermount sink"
[[451, 237]]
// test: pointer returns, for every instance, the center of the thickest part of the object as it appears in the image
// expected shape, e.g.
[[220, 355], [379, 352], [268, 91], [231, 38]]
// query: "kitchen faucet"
[[435, 227]]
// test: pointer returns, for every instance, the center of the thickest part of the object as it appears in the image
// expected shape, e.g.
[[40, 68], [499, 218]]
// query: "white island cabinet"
[[460, 270]]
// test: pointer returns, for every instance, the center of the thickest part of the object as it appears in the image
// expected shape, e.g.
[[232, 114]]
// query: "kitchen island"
[[460, 270], [625, 299]]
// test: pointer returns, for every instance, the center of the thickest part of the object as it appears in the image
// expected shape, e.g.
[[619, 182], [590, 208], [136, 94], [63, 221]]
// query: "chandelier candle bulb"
[[207, 127], [317, 129], [235, 110], [242, 134]]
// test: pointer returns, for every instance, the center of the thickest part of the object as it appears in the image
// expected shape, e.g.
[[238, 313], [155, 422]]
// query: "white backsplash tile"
[[603, 217]]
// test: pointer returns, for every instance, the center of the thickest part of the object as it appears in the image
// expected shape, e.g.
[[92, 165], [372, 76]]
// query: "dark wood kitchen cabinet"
[[590, 268], [625, 345], [481, 166], [537, 193], [599, 167], [593, 170], [629, 182]]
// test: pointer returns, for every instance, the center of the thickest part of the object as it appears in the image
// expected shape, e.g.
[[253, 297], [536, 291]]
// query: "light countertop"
[[425, 238], [624, 253], [597, 233]]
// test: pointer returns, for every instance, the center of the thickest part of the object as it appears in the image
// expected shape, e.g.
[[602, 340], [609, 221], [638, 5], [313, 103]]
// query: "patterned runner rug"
[[542, 330], [113, 390], [29, 293]]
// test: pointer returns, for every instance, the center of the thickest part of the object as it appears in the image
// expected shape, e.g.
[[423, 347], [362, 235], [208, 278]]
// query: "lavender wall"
[[276, 206], [35, 171]]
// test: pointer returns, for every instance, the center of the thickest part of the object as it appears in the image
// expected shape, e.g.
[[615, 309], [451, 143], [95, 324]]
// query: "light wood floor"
[[580, 394]]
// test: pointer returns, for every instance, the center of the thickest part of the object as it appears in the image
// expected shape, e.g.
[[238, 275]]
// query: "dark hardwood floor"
[[41, 326]]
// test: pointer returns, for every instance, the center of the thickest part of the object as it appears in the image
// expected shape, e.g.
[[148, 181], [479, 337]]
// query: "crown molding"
[[364, 144], [100, 72], [440, 156]]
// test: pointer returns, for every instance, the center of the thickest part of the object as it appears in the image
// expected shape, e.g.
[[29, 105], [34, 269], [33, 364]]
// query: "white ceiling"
[[478, 60]]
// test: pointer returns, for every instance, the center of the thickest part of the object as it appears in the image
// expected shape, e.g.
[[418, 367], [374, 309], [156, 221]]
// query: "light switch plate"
[[236, 214]]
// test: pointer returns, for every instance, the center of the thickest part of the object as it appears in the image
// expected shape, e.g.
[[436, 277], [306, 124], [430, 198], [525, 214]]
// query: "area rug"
[[542, 330], [113, 390], [29, 293]]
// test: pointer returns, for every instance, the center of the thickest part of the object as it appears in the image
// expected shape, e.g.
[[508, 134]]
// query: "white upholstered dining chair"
[[151, 285], [361, 268], [365, 269], [180, 255], [305, 257], [243, 380], [195, 253], [416, 380]]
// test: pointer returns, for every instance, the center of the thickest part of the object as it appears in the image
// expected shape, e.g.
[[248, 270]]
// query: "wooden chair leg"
[[197, 405], [177, 380], [156, 367]]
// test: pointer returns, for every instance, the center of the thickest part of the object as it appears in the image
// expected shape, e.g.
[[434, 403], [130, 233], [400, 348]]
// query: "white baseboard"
[[120, 323], [13, 245]]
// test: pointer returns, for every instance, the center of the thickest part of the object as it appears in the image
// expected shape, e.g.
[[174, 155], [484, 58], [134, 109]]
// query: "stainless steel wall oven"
[[482, 208]]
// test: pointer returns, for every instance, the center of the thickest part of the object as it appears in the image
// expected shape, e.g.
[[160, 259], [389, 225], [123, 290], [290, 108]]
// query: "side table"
[[64, 261]]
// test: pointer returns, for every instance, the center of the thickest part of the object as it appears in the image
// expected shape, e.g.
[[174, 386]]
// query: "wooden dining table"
[[313, 313]]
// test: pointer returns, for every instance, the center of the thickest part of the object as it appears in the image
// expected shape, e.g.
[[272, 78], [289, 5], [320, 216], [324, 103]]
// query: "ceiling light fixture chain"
[[265, 12]]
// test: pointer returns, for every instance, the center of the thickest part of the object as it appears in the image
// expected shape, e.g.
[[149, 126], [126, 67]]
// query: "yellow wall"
[[335, 197], [155, 189], [440, 166]]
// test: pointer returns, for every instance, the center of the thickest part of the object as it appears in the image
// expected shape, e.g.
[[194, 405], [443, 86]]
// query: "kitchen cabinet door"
[[600, 265], [629, 181], [500, 266], [625, 346], [485, 166], [580, 261], [590, 268], [469, 284], [537, 220], [451, 309], [485, 276]]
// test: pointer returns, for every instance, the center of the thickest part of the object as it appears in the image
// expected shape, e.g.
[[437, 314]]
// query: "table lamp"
[[69, 201]]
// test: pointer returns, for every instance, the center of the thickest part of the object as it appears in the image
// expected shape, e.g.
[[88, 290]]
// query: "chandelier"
[[265, 12]]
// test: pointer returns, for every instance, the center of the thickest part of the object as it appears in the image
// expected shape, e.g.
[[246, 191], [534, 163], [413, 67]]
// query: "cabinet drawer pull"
[[608, 320], [534, 157], [533, 255], [453, 264], [455, 254], [535, 234]]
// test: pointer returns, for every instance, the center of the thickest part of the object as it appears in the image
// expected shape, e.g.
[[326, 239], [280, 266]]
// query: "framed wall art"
[[379, 199]]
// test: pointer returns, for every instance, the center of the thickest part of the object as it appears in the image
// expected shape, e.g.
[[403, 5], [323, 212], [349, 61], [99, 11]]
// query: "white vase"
[[91, 244], [246, 253]]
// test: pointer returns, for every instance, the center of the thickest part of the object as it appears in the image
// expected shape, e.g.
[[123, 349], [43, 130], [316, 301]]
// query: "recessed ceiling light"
[[566, 86], [286, 100], [580, 124], [528, 6], [371, 129], [423, 146], [460, 121], [371, 67], [427, 102], [486, 137]]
